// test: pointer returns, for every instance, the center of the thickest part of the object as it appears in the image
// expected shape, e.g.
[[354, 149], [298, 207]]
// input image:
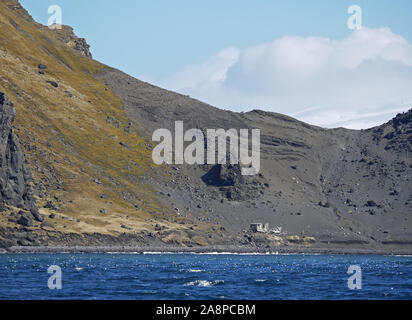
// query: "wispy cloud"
[[358, 82]]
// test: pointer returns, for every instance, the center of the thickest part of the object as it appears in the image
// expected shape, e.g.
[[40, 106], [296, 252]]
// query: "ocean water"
[[205, 276]]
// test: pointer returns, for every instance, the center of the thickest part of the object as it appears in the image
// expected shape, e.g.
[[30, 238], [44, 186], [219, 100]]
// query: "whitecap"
[[204, 283], [159, 252]]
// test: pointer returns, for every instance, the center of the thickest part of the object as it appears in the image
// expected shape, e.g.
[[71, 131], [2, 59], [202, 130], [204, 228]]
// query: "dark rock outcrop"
[[66, 35], [223, 175], [396, 133], [25, 220], [35, 213], [52, 83], [15, 173], [232, 184]]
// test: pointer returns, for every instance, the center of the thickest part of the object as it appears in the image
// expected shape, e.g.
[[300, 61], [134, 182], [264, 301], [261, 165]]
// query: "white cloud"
[[360, 81], [210, 73]]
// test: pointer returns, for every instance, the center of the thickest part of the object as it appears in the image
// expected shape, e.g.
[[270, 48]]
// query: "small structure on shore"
[[276, 230], [259, 227]]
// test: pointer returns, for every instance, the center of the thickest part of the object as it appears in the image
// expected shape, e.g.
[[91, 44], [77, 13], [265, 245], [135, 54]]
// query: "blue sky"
[[173, 42]]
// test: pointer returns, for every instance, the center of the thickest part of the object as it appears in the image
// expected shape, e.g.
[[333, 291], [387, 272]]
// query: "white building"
[[259, 227]]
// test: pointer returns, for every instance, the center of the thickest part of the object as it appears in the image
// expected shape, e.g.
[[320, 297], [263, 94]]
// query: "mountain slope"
[[85, 129], [85, 155], [335, 185]]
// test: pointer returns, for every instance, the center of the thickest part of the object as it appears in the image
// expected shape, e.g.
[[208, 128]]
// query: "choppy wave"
[[204, 283], [173, 277]]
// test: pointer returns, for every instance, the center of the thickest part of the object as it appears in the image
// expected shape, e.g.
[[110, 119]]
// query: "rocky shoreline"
[[201, 250]]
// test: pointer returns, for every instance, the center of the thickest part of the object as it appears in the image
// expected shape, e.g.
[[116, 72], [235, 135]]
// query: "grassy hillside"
[[86, 157]]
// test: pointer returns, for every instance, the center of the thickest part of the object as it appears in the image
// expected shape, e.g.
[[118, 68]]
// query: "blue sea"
[[204, 276]]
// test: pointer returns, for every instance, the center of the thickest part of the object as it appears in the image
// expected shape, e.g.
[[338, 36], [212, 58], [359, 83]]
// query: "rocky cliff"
[[67, 36], [15, 173]]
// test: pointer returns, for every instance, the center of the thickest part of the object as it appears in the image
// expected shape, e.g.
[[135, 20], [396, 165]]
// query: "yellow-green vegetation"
[[82, 158]]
